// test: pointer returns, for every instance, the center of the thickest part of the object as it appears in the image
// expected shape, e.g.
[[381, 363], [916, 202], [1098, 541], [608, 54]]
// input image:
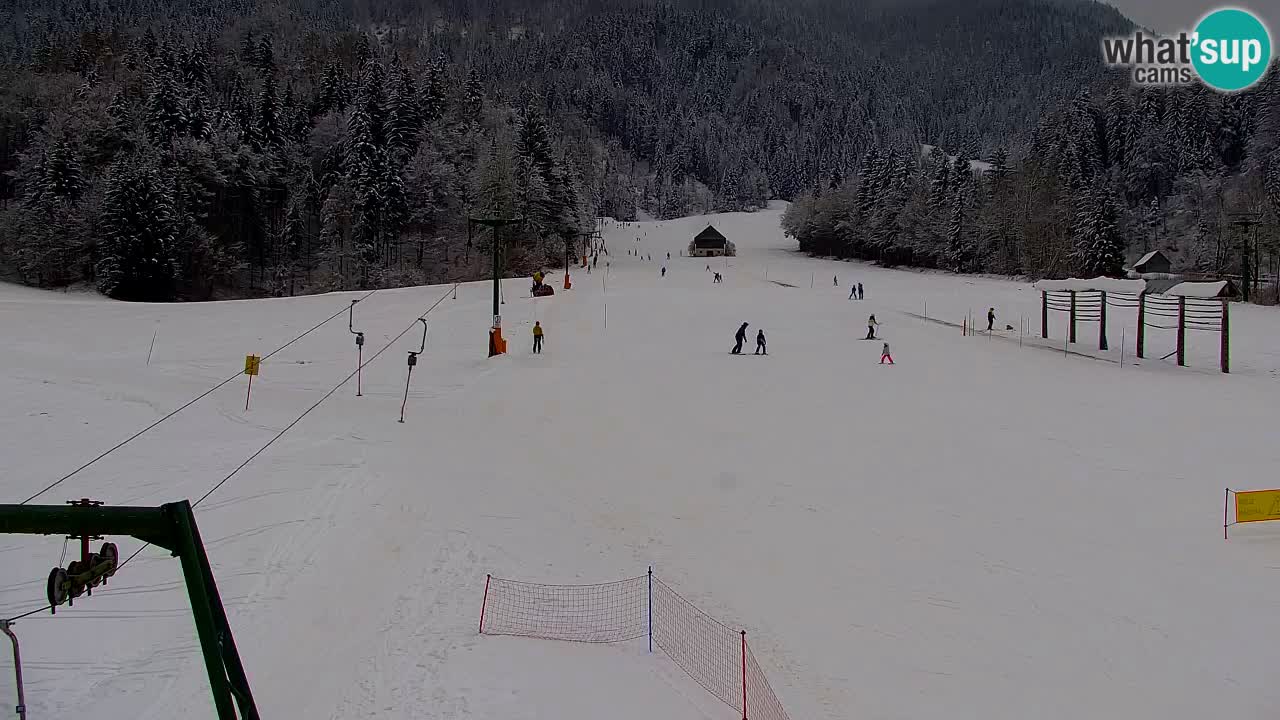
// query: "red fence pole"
[[1044, 314], [1142, 323], [1225, 332], [1182, 331], [484, 603], [1102, 323], [744, 675], [1073, 316]]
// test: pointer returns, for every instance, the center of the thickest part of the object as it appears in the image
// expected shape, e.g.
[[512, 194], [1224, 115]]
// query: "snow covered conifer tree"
[[1099, 247], [136, 259]]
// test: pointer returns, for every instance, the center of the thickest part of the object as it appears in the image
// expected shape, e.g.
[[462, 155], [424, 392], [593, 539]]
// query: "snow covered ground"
[[982, 530]]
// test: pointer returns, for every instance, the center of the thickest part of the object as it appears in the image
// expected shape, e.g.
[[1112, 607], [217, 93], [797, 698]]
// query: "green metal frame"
[[171, 526]]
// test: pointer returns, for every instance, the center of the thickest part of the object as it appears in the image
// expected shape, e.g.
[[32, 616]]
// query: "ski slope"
[[982, 530]]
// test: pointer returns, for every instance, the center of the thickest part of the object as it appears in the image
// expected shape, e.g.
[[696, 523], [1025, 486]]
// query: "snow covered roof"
[[1099, 283], [1153, 255], [1198, 289]]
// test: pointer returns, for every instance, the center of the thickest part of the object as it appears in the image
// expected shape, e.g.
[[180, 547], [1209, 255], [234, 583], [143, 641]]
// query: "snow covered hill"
[[982, 530]]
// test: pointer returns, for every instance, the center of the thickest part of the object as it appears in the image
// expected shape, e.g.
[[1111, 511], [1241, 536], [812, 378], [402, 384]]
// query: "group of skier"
[[741, 337], [855, 292]]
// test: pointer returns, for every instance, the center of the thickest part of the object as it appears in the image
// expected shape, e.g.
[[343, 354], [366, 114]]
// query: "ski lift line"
[[277, 436], [189, 403], [317, 404]]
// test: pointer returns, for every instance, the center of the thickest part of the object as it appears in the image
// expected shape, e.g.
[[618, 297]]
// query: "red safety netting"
[[703, 647], [603, 613], [713, 654]]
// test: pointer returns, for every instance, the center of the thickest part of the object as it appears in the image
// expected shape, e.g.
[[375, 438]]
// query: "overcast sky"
[[1175, 15]]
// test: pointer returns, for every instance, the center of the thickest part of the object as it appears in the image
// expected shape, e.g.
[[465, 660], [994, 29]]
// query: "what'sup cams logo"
[[1229, 50]]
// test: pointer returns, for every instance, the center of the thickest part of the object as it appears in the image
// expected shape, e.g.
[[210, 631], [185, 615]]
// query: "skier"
[[708, 268], [991, 319], [537, 337], [760, 348], [664, 271], [860, 295], [716, 279], [871, 327], [884, 355], [835, 281], [853, 292], [740, 337], [668, 257]]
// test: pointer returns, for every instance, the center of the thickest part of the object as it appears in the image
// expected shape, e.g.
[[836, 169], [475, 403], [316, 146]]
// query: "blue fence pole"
[[650, 608]]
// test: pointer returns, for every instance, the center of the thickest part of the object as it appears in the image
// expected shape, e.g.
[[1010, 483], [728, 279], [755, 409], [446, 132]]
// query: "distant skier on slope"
[[760, 347], [740, 337], [884, 355], [853, 292], [835, 281], [664, 271], [991, 319], [537, 337], [871, 327], [860, 295]]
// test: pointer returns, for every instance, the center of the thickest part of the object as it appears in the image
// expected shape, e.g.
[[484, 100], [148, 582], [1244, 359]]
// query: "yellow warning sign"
[[251, 363], [1257, 505]]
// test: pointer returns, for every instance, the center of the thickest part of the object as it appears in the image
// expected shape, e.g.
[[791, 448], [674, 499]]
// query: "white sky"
[[1175, 15]]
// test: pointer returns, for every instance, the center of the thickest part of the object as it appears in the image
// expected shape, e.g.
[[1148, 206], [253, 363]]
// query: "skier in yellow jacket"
[[537, 337]]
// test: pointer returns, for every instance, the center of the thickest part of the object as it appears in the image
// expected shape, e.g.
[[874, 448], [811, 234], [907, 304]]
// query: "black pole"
[[497, 268]]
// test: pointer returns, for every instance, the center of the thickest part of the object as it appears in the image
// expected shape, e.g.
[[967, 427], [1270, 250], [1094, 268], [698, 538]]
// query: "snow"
[[911, 541], [1198, 289], [1099, 283]]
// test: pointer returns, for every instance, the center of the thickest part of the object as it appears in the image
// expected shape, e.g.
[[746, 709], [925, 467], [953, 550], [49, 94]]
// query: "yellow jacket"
[[537, 331]]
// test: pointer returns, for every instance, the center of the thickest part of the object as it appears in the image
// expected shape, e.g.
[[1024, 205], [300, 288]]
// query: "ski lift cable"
[[278, 435], [189, 403]]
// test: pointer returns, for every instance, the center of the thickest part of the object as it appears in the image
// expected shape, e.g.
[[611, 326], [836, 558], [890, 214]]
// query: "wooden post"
[[1182, 332], [1102, 322], [1142, 323], [1044, 314], [1225, 333], [1071, 336]]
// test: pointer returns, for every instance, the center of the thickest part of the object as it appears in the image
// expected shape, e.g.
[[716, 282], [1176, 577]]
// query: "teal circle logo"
[[1231, 49]]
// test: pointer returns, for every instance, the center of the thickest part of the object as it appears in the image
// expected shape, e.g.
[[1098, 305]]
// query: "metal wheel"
[[56, 590]]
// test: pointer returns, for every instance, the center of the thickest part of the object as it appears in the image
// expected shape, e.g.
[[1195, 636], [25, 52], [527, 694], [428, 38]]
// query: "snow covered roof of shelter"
[[1099, 283], [1198, 289], [1146, 257]]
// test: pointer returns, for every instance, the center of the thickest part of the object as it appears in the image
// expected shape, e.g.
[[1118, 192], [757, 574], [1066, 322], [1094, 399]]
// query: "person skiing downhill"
[[835, 281], [871, 327], [884, 355], [740, 337], [537, 337], [760, 347], [664, 271], [991, 319]]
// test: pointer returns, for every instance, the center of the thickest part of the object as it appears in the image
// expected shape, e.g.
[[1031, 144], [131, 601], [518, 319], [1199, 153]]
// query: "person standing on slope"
[[760, 348], [853, 292], [740, 337], [860, 295], [991, 319], [835, 281], [664, 271], [537, 337], [871, 327], [884, 355]]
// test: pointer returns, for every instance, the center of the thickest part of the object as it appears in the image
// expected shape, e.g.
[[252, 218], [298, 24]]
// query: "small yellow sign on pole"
[[251, 364], [1257, 505]]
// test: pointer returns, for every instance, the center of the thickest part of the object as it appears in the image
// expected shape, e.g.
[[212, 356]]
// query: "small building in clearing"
[[1153, 262], [710, 243]]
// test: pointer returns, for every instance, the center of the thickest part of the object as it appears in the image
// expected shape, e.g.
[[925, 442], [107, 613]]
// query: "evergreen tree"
[[136, 253], [404, 123], [165, 116], [1099, 246], [60, 180], [269, 128]]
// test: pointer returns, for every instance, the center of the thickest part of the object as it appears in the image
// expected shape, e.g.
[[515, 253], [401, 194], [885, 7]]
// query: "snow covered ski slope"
[[980, 530]]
